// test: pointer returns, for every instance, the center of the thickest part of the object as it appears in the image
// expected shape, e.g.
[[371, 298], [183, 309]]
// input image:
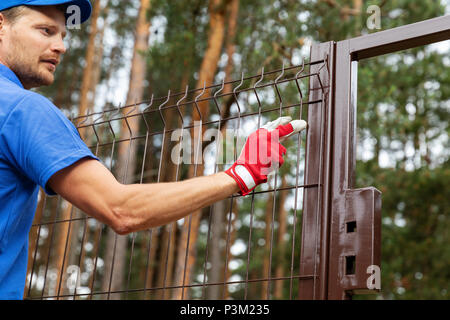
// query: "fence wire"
[[239, 248]]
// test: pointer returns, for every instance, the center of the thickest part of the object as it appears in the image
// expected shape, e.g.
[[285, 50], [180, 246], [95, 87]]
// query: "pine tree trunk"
[[267, 238], [233, 13], [46, 250], [281, 245], [171, 260], [65, 234], [63, 246], [173, 120], [231, 241], [206, 76], [97, 235], [98, 57], [215, 250], [150, 246], [34, 234], [154, 243], [87, 85], [165, 269], [117, 245], [74, 258], [169, 172], [219, 209]]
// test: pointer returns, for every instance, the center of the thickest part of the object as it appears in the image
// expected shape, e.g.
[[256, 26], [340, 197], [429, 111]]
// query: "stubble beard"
[[28, 70]]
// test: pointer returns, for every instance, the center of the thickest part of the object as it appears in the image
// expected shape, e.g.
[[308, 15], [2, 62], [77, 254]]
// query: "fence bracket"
[[357, 241]]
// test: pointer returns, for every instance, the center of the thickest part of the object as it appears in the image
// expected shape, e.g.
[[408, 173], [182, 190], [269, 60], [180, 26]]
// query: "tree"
[[206, 76], [117, 245], [65, 236]]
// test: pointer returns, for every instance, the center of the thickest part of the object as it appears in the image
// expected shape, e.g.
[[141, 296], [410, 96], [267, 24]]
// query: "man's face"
[[32, 46]]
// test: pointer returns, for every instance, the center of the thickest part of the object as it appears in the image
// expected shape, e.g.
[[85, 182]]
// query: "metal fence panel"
[[243, 248]]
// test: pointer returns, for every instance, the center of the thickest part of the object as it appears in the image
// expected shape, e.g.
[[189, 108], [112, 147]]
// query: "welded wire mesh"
[[239, 248]]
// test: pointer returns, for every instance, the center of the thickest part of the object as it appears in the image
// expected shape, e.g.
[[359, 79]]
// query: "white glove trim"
[[243, 173]]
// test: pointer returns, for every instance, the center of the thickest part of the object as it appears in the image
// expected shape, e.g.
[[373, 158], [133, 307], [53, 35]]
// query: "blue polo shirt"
[[36, 141]]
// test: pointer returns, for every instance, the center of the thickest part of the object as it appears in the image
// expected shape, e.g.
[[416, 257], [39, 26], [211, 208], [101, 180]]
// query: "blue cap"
[[84, 5]]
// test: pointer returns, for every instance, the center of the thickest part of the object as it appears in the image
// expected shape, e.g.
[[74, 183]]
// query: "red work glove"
[[263, 153]]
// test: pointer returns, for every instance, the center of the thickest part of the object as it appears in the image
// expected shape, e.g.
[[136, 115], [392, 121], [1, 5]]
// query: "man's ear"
[[2, 24]]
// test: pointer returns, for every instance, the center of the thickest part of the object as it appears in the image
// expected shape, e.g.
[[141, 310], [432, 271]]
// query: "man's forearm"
[[151, 205]]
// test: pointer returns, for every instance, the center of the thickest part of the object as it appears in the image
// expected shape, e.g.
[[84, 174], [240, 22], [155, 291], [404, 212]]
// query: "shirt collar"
[[10, 75]]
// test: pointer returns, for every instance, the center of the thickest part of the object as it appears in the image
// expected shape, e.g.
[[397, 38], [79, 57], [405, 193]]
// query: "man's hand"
[[263, 153]]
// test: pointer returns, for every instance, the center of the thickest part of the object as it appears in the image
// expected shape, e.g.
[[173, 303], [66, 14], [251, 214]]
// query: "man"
[[40, 147]]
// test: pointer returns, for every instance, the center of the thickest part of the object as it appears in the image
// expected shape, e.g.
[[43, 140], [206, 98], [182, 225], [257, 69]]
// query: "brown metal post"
[[355, 223], [314, 246]]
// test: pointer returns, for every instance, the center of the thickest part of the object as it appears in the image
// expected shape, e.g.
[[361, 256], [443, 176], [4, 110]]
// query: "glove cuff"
[[243, 177]]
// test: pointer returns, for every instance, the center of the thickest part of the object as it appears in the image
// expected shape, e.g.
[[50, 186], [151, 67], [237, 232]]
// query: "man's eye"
[[46, 30]]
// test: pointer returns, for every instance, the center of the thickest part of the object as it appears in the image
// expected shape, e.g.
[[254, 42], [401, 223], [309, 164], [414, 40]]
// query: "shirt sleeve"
[[39, 140]]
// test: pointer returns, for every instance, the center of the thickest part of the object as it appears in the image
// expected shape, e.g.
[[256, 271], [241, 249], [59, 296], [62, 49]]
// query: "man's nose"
[[59, 46]]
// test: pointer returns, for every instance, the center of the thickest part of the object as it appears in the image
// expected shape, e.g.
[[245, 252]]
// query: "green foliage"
[[403, 151], [415, 237]]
